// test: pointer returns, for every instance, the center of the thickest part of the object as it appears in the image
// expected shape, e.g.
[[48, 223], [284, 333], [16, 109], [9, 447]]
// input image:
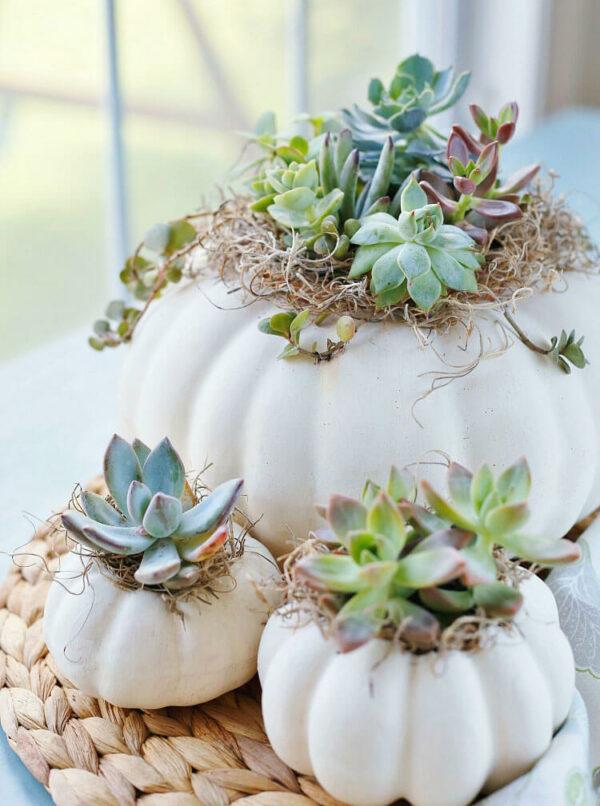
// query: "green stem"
[[464, 204], [524, 338]]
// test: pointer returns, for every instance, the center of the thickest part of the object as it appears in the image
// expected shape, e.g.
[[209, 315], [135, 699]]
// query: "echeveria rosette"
[[416, 92], [416, 255], [155, 515], [399, 566], [495, 511]]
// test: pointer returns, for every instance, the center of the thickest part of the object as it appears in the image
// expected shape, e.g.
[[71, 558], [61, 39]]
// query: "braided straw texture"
[[87, 751]]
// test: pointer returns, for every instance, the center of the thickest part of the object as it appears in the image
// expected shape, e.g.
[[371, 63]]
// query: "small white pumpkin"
[[210, 380], [378, 724], [129, 648]]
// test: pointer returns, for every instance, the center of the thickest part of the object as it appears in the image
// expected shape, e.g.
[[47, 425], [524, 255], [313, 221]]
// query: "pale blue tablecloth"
[[57, 409]]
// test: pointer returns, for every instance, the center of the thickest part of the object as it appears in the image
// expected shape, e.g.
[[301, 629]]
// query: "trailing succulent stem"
[[565, 350], [396, 568], [289, 326], [165, 247], [155, 516]]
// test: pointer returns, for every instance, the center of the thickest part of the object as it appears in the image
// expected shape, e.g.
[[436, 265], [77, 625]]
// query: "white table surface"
[[57, 404]]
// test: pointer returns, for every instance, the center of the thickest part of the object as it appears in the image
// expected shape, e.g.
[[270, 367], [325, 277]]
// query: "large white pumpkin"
[[129, 648], [378, 724], [297, 431]]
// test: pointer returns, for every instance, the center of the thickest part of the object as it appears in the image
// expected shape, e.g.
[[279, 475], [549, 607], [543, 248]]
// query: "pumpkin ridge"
[[500, 405], [137, 375]]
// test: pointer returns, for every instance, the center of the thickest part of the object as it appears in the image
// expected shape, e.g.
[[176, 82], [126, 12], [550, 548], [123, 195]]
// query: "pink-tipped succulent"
[[155, 515], [475, 197], [401, 567]]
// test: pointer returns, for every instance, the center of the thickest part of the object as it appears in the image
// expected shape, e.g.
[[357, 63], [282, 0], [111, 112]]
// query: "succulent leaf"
[[445, 510], [122, 540], [419, 627], [481, 486], [201, 548], [442, 600], [74, 523], [159, 563], [121, 467], [98, 509], [138, 498], [353, 630], [188, 575], [162, 516], [497, 599], [430, 567], [210, 512], [346, 515], [544, 552], [401, 485], [384, 518], [452, 537], [506, 518], [331, 572], [163, 470], [514, 484], [141, 450]]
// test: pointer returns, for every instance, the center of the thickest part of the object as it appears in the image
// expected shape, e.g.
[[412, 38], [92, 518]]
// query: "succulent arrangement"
[[398, 568], [153, 515], [377, 200]]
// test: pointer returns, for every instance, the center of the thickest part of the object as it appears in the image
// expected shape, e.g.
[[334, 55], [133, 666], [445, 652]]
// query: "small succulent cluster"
[[343, 204], [336, 190], [416, 92], [145, 277], [416, 255], [475, 196], [566, 351], [313, 188], [397, 567], [155, 515], [289, 326], [355, 165]]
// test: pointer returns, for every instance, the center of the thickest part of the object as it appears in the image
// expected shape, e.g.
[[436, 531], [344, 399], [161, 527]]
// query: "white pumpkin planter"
[[295, 431], [378, 724], [130, 649]]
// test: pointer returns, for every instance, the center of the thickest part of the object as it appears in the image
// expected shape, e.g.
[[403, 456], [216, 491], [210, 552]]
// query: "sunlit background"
[[193, 73]]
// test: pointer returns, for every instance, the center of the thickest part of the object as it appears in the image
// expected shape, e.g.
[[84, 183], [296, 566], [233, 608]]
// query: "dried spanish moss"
[[533, 254]]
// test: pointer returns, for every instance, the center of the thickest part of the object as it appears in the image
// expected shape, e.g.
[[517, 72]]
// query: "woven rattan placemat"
[[86, 751]]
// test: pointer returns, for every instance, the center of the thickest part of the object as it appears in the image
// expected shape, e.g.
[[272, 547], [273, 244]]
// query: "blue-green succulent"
[[416, 255], [154, 515], [401, 111]]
